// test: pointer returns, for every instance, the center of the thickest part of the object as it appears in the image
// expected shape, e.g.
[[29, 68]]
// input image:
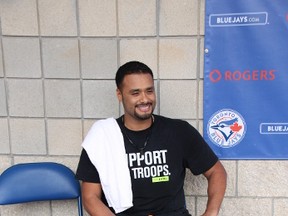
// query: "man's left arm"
[[217, 179]]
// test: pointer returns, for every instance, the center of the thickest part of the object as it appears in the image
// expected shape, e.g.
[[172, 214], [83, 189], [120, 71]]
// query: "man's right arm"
[[91, 195]]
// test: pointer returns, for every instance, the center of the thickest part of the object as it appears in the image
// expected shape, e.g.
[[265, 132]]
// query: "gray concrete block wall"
[[58, 60]]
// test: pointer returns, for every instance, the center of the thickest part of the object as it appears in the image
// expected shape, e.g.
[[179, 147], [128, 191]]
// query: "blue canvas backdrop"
[[246, 78]]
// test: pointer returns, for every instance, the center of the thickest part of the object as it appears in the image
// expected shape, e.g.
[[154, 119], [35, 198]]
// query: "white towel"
[[104, 145]]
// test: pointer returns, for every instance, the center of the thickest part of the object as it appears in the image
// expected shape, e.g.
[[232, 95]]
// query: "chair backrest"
[[30, 182]]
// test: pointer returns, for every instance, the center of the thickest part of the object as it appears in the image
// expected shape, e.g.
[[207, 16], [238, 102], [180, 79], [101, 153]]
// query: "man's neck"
[[137, 125]]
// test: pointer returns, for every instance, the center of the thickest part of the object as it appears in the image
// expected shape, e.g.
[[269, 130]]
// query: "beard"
[[144, 116], [137, 114]]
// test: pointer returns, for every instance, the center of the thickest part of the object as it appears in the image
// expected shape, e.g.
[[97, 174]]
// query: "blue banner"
[[246, 78]]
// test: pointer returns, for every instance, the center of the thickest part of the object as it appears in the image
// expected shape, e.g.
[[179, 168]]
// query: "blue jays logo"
[[226, 128]]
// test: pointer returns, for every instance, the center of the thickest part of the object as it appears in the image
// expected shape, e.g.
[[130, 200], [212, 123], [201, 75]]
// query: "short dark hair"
[[132, 67]]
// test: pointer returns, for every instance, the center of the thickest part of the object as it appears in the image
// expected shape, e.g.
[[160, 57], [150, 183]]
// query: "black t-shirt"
[[158, 173]]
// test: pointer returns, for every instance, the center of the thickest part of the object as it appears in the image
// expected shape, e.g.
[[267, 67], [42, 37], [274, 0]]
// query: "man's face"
[[137, 95]]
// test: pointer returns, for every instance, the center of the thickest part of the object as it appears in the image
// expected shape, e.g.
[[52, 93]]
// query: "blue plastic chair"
[[44, 181]]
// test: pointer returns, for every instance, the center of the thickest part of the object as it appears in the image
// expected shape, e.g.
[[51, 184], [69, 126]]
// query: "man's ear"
[[119, 95]]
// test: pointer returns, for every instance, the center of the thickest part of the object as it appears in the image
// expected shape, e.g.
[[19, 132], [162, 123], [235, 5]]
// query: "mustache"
[[144, 104]]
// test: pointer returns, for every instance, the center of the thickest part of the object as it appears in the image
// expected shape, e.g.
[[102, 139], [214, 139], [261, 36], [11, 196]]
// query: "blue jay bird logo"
[[226, 128]]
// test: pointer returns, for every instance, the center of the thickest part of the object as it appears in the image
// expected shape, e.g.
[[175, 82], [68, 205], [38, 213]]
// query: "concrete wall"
[[57, 64]]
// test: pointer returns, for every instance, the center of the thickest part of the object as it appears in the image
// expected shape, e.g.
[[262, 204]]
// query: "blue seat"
[[43, 181]]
